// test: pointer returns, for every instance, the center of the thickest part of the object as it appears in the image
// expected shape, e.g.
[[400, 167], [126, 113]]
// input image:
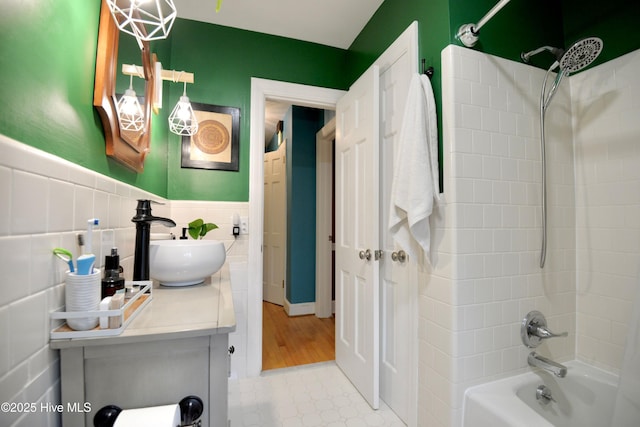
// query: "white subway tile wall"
[[485, 276], [606, 105]]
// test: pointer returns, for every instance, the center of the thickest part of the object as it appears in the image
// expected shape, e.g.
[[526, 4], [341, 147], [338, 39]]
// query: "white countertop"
[[174, 312]]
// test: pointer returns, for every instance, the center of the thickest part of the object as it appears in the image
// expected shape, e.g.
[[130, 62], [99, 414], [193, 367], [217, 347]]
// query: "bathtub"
[[584, 398]]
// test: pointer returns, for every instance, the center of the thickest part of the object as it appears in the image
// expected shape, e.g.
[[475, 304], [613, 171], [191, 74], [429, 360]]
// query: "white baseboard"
[[300, 309]]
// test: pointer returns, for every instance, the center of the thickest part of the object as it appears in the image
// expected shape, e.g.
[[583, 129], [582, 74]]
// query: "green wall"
[[522, 25], [48, 51], [614, 21], [389, 21], [47, 69], [224, 60]]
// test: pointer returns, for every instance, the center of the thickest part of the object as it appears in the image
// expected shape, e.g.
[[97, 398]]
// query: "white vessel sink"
[[184, 262]]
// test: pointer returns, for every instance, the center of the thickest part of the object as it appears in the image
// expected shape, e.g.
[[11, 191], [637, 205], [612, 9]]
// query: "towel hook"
[[427, 70]]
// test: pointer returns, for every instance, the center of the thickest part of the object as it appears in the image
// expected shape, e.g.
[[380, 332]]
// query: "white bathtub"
[[584, 398]]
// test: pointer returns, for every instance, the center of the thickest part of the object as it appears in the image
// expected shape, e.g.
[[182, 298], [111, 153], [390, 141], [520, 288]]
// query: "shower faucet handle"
[[534, 329], [544, 333]]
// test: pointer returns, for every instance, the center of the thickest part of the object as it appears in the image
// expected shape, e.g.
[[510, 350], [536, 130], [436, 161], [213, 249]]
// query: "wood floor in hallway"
[[292, 341]]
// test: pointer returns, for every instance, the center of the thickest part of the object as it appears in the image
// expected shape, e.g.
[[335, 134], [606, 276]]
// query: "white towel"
[[415, 186]]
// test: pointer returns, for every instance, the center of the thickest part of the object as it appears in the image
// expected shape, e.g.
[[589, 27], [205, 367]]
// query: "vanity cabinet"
[[176, 347]]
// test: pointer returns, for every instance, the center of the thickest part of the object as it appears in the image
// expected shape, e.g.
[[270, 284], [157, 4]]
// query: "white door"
[[324, 218], [398, 292], [275, 225], [357, 231]]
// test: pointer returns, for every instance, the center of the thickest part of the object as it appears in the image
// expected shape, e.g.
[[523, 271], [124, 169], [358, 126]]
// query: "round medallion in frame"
[[212, 137]]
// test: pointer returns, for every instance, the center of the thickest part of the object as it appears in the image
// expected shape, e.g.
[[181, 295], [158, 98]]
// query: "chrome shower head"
[[581, 54]]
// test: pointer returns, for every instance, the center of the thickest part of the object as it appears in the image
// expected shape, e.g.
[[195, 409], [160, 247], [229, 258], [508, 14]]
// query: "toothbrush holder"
[[82, 293]]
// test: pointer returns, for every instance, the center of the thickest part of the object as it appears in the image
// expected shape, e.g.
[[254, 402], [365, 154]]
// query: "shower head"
[[580, 54], [577, 57]]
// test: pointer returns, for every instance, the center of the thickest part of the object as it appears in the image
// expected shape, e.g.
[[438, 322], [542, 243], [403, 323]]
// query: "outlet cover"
[[244, 225]]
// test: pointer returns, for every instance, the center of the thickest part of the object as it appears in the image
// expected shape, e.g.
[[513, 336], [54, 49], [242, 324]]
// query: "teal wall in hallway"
[[301, 204]]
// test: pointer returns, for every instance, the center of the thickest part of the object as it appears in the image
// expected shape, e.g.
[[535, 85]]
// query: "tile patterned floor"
[[310, 395]]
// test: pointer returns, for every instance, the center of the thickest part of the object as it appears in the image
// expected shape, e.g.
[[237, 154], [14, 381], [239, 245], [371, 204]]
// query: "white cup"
[[82, 293]]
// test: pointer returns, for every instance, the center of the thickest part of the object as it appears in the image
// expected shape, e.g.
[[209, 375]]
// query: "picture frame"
[[216, 145]]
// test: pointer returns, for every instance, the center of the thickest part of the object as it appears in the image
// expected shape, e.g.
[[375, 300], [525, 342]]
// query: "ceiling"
[[333, 23], [329, 22]]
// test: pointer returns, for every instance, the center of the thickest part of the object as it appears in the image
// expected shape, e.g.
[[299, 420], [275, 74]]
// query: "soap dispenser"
[[112, 281]]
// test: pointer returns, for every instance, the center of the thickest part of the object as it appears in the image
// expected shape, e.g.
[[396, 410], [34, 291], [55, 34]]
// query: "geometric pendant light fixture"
[[130, 113], [182, 120], [144, 19]]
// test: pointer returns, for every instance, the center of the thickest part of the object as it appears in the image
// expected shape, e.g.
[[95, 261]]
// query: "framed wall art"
[[216, 145]]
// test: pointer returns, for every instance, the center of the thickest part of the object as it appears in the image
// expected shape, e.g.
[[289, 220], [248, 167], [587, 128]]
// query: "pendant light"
[[144, 19], [130, 113], [182, 120]]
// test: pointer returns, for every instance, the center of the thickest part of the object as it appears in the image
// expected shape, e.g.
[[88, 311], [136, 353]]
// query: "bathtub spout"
[[538, 361]]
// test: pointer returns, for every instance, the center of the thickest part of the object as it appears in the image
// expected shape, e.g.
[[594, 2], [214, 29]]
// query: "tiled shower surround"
[[485, 276]]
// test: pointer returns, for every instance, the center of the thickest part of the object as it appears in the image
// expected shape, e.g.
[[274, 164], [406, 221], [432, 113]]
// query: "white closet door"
[[357, 236], [275, 225]]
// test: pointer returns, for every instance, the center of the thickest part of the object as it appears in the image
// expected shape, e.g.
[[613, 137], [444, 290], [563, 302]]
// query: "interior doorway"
[[297, 226], [261, 91]]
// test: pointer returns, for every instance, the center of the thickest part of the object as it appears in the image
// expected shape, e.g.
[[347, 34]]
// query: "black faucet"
[[143, 220]]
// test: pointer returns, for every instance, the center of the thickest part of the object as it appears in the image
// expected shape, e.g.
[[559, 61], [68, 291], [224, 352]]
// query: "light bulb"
[[130, 113], [182, 120], [183, 111], [129, 103]]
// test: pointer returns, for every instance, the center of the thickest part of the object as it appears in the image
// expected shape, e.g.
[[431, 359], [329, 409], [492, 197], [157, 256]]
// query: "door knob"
[[399, 256], [365, 254]]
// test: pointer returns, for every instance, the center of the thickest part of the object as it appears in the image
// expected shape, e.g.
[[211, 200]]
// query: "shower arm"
[[468, 34], [557, 52]]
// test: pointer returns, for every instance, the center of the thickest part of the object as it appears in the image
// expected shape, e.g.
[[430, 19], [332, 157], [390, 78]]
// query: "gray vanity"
[[175, 347]]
